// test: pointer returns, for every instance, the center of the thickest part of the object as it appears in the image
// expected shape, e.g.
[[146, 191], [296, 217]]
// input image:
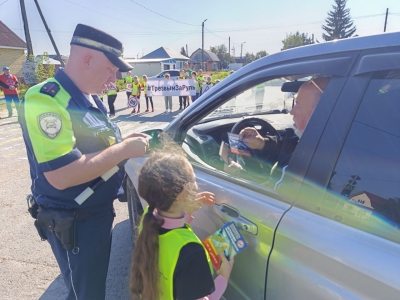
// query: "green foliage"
[[222, 52], [44, 69], [218, 75], [338, 23], [120, 84], [296, 40], [260, 54]]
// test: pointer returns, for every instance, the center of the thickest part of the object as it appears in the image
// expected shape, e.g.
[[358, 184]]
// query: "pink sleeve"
[[220, 286]]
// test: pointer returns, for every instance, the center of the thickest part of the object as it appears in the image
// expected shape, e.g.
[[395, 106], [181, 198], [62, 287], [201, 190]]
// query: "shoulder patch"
[[50, 88]]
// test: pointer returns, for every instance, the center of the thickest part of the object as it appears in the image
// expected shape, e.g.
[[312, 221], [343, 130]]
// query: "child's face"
[[166, 77], [200, 72], [208, 79], [144, 79], [135, 80], [193, 76]]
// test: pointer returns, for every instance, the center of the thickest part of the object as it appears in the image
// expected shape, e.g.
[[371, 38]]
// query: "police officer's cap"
[[89, 37]]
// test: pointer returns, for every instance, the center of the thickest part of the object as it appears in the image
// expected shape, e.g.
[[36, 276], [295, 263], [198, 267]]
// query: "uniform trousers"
[[111, 100], [85, 270]]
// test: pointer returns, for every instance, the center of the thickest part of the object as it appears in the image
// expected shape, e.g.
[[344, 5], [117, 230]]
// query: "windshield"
[[265, 98]]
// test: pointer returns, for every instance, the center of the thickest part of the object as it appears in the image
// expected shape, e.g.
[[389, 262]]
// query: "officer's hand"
[[252, 138], [135, 134], [136, 146], [226, 266]]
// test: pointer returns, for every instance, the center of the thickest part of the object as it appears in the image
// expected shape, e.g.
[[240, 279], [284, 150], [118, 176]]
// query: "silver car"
[[329, 228]]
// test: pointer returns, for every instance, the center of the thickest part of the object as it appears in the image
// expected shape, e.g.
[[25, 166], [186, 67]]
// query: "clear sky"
[[261, 24]]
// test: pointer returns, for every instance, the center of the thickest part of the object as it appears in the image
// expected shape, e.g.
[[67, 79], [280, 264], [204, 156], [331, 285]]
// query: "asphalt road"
[[28, 267]]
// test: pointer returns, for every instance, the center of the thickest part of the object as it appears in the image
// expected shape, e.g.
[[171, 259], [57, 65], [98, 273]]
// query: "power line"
[[162, 15], [3, 2], [216, 35]]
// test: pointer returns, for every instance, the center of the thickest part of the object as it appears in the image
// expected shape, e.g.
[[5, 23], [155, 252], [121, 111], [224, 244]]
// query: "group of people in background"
[[137, 88]]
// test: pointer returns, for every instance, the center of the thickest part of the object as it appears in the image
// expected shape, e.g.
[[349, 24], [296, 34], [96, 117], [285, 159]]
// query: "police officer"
[[70, 142]]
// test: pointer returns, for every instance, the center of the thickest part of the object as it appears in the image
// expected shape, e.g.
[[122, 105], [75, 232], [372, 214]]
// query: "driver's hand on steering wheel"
[[252, 138], [233, 168]]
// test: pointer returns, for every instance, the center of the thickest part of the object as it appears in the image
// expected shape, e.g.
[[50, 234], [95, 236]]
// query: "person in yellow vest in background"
[[182, 99], [128, 83], [148, 97], [136, 87], [112, 91], [198, 86], [259, 98], [200, 80], [169, 260]]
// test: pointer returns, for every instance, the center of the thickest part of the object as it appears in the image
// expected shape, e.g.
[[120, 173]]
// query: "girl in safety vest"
[[128, 82], [198, 86], [169, 261], [136, 92], [200, 80], [144, 89], [112, 91]]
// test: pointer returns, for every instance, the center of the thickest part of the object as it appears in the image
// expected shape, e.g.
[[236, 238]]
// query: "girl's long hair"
[[162, 178]]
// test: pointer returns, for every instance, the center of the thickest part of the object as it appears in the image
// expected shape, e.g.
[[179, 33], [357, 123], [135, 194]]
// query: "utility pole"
[[241, 49], [187, 51], [233, 48], [26, 28], [229, 47], [49, 32], [202, 44], [387, 12]]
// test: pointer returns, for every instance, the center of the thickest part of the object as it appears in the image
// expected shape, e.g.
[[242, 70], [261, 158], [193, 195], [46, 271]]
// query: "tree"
[[183, 51], [338, 23], [44, 68], [222, 52], [296, 40], [261, 53], [248, 58]]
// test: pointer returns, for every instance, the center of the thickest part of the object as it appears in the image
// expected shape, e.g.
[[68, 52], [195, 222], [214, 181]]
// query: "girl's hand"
[[206, 198], [203, 198], [226, 266]]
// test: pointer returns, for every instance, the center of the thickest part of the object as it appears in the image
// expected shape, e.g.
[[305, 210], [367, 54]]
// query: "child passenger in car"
[[169, 261]]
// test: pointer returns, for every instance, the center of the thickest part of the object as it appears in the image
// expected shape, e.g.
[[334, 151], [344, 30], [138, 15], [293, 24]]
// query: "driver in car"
[[307, 99]]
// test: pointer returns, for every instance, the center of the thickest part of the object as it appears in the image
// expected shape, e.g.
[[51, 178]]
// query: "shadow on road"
[[118, 271]]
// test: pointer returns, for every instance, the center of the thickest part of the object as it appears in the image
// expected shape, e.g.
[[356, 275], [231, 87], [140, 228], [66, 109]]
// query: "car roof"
[[336, 46]]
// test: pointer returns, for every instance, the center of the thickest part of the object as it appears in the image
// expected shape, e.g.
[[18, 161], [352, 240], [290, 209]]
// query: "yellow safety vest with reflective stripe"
[[135, 89], [144, 87], [170, 245], [112, 89]]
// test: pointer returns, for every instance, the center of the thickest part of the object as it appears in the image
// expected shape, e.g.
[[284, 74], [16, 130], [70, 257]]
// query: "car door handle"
[[230, 214]]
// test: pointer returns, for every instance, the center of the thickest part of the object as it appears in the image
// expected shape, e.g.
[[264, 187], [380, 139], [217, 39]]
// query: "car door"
[[256, 211], [341, 239]]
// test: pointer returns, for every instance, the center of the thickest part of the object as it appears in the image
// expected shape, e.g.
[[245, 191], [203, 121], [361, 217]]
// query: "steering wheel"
[[252, 163]]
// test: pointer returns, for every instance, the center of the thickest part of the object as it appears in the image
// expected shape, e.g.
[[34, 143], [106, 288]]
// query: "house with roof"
[[210, 59], [155, 62], [368, 200], [12, 50]]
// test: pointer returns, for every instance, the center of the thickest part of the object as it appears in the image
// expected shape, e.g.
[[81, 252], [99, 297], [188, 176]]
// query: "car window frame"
[[278, 71]]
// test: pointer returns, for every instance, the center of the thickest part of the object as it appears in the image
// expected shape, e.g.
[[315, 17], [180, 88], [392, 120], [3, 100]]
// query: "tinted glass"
[[366, 177]]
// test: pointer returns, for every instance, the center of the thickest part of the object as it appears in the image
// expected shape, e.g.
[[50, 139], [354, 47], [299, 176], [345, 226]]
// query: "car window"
[[364, 189], [263, 110]]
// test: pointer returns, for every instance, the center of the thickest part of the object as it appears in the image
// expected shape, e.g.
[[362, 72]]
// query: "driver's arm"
[[266, 146]]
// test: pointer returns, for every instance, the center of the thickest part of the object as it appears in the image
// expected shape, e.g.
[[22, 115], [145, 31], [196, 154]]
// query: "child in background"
[[198, 86], [200, 79], [208, 85], [169, 260], [168, 99], [182, 99], [136, 92], [144, 89]]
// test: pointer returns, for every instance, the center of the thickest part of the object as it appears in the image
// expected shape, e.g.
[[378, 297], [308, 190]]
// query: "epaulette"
[[50, 88]]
